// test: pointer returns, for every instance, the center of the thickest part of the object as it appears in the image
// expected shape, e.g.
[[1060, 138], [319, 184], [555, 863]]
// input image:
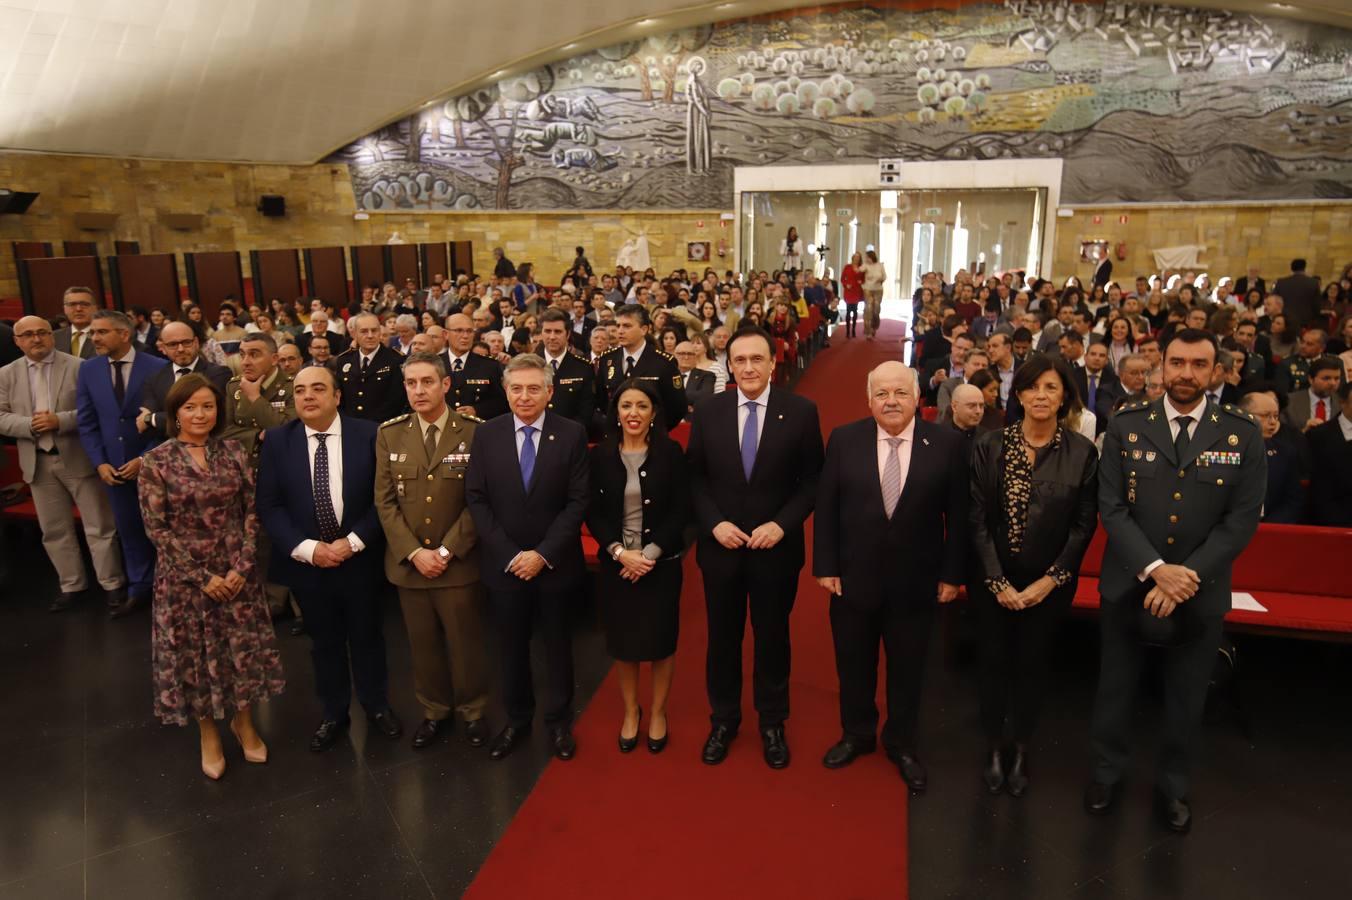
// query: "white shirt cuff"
[[358, 545], [305, 552], [1145, 573], [512, 561]]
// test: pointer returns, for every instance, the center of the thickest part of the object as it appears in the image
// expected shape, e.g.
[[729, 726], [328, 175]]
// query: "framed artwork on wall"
[[1093, 251], [697, 251]]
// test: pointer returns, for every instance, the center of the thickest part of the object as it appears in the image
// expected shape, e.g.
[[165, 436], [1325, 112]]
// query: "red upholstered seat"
[[681, 433], [929, 413], [590, 550]]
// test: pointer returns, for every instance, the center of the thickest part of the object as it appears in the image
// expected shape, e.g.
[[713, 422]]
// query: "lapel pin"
[[925, 441], [551, 437], [1215, 418], [1233, 440], [1152, 415]]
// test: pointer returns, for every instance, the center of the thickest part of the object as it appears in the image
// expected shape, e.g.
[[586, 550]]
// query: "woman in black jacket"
[[639, 509], [1033, 513]]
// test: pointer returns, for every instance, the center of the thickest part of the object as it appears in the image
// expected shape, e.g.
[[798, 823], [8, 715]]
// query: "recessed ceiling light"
[[1283, 6], [646, 22], [499, 73], [725, 6], [572, 46]]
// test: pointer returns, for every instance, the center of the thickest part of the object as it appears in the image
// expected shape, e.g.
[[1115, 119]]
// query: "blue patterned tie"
[[749, 439], [527, 456], [328, 519]]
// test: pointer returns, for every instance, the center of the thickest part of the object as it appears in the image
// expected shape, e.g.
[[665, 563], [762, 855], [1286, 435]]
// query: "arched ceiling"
[[288, 81]]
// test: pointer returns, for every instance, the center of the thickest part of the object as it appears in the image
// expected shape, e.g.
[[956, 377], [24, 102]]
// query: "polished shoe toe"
[[427, 732], [327, 734], [563, 744], [775, 747], [387, 723], [716, 745], [846, 751], [63, 601], [628, 744], [297, 627], [994, 773], [1174, 813], [912, 771], [1099, 798], [1017, 781], [128, 606], [507, 740], [476, 732]]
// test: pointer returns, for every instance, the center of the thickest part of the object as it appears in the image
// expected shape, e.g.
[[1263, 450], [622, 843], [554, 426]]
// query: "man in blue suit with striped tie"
[[108, 398]]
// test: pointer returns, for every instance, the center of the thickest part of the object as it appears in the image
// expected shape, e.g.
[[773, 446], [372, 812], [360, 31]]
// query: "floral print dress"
[[208, 659]]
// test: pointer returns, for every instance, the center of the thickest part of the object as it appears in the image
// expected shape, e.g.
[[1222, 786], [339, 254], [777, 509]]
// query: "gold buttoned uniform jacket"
[[245, 419], [422, 506]]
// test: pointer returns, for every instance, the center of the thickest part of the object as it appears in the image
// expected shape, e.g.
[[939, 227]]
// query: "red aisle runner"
[[606, 825]]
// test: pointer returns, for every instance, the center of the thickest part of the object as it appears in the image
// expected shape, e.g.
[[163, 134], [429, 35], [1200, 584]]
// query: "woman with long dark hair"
[[791, 252]]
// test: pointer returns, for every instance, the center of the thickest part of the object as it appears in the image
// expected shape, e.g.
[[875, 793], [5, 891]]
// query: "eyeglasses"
[[175, 345], [27, 335]]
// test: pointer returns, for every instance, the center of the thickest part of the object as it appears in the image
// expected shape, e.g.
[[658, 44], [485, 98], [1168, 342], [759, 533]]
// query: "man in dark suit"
[[1300, 297], [574, 380], [108, 396], [1181, 486], [319, 328], [79, 304], [755, 456], [1314, 403], [636, 358], [316, 498], [527, 492], [1331, 465], [184, 350], [892, 487], [1287, 455], [698, 384], [1100, 384], [1103, 272], [368, 374], [476, 381]]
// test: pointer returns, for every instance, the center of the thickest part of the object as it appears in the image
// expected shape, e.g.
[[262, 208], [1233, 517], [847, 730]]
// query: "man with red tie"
[[1316, 404]]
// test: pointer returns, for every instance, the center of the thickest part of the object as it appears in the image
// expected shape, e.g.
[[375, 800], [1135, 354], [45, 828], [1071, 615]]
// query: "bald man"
[[37, 409], [289, 359], [184, 351], [893, 490], [966, 409]]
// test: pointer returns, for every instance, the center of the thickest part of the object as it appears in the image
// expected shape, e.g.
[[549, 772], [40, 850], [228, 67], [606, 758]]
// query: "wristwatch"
[[443, 553]]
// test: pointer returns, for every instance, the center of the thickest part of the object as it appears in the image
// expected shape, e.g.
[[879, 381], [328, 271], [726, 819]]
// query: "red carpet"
[[605, 825]]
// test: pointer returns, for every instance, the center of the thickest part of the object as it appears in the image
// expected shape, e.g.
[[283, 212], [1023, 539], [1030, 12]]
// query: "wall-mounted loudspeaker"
[[16, 202], [272, 205], [181, 221], [95, 221]]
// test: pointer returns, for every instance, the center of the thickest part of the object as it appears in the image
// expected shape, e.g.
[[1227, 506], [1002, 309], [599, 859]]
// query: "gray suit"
[[62, 338], [61, 477]]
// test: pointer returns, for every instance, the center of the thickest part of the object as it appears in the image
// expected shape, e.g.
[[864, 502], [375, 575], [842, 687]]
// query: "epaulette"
[[471, 418], [664, 354], [1238, 413], [396, 420], [1133, 406]]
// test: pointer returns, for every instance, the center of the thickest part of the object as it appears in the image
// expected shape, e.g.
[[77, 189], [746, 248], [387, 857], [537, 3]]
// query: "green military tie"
[[430, 445]]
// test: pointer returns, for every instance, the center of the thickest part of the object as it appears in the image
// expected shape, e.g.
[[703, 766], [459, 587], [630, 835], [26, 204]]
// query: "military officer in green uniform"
[[1293, 373], [636, 358], [257, 399], [430, 556], [1181, 486]]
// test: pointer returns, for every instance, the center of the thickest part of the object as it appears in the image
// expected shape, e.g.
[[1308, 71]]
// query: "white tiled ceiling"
[[290, 80]]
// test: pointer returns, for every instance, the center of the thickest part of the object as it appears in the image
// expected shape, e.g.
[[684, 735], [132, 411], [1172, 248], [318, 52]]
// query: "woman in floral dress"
[[213, 651]]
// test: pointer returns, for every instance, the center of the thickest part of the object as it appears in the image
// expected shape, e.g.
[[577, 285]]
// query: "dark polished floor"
[[97, 800]]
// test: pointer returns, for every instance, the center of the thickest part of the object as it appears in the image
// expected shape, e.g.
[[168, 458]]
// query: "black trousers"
[[903, 629], [852, 316], [514, 616], [1015, 647], [343, 620], [1187, 672], [727, 596]]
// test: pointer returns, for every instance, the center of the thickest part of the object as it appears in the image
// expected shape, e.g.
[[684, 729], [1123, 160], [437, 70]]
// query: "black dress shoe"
[[1099, 798], [63, 601], [428, 731], [127, 607], [776, 749], [563, 744], [326, 735], [506, 741], [1174, 813], [297, 626], [628, 745], [387, 723], [846, 751], [716, 746], [476, 732], [912, 772], [115, 598], [1017, 781], [994, 772]]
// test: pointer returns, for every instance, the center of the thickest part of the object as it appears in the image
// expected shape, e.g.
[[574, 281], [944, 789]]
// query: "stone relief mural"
[[1144, 102]]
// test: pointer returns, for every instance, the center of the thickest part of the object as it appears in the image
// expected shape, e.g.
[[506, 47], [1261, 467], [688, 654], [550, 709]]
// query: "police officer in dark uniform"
[[476, 381], [369, 375], [574, 380], [636, 358], [1181, 485]]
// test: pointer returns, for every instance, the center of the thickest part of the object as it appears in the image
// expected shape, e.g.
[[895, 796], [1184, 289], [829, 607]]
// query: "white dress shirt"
[[40, 389], [464, 360], [305, 550], [903, 450], [1346, 425], [365, 359], [517, 426], [763, 402], [129, 357], [1172, 414], [191, 367], [550, 360], [637, 354]]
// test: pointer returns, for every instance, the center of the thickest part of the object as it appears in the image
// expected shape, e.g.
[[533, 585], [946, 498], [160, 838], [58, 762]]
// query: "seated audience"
[[1331, 465], [1286, 455]]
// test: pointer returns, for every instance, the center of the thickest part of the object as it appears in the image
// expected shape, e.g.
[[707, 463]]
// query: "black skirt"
[[641, 620]]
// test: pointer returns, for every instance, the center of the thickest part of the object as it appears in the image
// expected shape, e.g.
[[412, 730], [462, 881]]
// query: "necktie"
[[183, 370], [749, 439], [1320, 412], [459, 365], [555, 364], [119, 382], [76, 343], [42, 402], [628, 365], [1183, 439], [527, 456], [364, 363], [324, 514], [430, 444], [892, 477], [1093, 390]]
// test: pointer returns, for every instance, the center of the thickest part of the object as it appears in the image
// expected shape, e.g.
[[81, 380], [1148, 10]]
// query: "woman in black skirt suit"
[[639, 509]]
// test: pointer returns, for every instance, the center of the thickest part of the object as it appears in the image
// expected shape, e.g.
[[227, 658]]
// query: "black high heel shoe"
[[657, 745], [627, 745], [1017, 781], [994, 772]]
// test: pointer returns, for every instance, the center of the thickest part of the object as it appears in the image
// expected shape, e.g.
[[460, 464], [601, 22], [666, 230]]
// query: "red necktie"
[[1320, 412]]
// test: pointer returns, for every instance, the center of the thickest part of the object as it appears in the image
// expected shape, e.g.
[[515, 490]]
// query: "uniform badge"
[[403, 457], [1233, 440], [400, 488], [461, 448], [237, 396], [394, 457], [347, 367], [1136, 454], [610, 372], [1150, 456], [1151, 417], [1132, 437], [1215, 419], [281, 392]]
